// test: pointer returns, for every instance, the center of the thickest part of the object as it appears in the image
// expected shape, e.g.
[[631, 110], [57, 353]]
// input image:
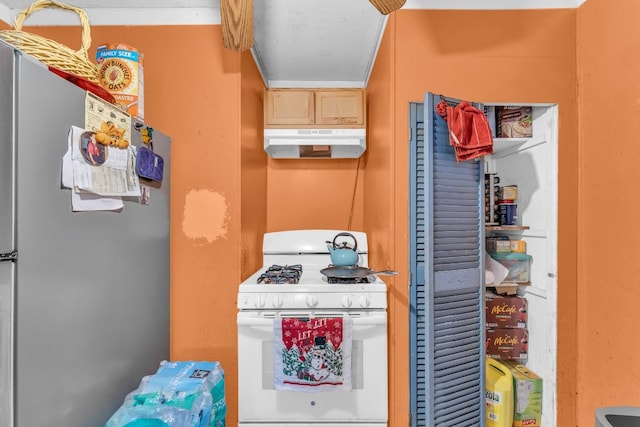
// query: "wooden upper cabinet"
[[340, 107], [289, 107], [315, 108]]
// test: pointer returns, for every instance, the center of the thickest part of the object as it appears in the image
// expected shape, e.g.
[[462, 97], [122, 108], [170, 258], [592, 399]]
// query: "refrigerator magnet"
[[93, 153]]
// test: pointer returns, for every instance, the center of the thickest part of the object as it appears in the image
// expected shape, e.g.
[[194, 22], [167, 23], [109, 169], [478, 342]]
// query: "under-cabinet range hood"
[[315, 143], [316, 43]]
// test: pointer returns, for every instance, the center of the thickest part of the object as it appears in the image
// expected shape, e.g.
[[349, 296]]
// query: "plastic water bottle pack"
[[179, 394]]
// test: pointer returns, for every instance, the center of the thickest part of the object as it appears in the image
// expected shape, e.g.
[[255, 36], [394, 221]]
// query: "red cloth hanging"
[[469, 130]]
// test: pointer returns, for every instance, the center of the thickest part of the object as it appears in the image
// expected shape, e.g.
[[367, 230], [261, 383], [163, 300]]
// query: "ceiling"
[[415, 4], [297, 43], [317, 43], [121, 4]]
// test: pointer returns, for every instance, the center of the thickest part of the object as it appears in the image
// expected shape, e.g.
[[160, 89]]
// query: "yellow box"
[[518, 246], [510, 192], [121, 72]]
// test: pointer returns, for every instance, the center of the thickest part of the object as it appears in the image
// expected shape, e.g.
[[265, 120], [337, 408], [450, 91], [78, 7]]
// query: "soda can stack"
[[492, 194]]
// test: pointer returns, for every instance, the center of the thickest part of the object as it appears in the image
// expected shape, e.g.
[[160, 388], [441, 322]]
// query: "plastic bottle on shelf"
[[498, 394]]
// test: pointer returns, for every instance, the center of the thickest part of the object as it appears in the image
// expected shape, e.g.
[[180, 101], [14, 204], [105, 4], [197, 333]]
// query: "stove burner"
[[278, 274], [350, 280]]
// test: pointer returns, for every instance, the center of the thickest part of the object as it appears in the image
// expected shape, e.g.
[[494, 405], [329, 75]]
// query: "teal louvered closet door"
[[447, 295]]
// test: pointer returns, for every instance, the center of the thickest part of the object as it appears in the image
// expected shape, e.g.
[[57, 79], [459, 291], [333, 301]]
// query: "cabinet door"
[[288, 107], [446, 235], [340, 107]]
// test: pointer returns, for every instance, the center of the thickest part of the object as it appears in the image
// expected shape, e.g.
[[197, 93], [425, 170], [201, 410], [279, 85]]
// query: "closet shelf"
[[506, 227]]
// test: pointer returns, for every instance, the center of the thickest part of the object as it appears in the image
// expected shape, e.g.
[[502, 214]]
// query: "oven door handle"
[[267, 321], [254, 321]]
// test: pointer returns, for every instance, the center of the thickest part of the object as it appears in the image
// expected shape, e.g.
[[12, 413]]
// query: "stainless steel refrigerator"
[[84, 297]]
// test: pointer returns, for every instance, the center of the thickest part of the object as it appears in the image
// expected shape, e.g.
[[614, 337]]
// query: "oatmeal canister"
[[121, 72], [507, 212]]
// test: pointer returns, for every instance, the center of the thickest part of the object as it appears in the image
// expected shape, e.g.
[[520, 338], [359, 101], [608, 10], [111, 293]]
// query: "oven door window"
[[268, 364]]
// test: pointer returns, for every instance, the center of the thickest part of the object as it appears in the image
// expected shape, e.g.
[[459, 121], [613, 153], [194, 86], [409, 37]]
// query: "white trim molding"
[[492, 5], [128, 16], [211, 15]]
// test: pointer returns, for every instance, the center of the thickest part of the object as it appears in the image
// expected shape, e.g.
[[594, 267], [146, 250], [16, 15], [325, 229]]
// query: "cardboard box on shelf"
[[504, 289], [510, 192], [497, 244], [507, 343], [518, 246], [505, 311], [514, 122], [527, 399], [121, 72]]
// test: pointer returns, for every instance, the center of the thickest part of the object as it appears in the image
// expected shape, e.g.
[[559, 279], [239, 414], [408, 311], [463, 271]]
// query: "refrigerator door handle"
[[9, 256]]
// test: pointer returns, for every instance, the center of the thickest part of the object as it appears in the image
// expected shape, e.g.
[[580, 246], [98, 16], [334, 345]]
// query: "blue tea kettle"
[[341, 253]]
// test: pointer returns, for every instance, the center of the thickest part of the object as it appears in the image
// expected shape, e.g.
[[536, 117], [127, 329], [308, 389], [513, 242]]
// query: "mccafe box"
[[505, 311], [506, 343]]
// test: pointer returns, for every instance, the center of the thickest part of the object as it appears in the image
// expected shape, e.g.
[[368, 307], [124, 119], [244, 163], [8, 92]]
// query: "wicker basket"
[[51, 52]]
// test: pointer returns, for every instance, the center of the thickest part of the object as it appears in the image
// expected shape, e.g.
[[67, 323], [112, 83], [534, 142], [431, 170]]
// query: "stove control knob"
[[261, 301], [346, 301], [278, 301], [312, 300], [365, 301]]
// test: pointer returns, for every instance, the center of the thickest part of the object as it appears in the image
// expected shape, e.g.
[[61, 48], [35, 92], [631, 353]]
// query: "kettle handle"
[[355, 242]]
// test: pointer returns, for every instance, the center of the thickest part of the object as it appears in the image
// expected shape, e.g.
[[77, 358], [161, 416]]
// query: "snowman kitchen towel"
[[312, 354]]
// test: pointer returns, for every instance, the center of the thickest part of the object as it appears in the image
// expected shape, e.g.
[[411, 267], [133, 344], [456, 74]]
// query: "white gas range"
[[278, 381]]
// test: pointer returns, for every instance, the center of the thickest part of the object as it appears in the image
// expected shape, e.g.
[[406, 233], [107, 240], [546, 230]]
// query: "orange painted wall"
[[608, 270], [379, 219], [314, 194], [253, 168]]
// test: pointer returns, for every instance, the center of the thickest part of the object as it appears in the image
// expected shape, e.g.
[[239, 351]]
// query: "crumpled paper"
[[494, 272]]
